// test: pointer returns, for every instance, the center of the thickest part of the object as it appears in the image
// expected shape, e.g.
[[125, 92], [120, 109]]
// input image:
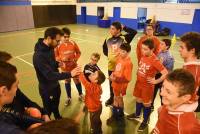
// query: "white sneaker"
[[81, 98], [68, 102]]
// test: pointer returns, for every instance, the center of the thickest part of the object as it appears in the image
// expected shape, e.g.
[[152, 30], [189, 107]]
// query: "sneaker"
[[142, 127], [132, 116], [109, 102], [110, 120], [81, 98], [68, 102]]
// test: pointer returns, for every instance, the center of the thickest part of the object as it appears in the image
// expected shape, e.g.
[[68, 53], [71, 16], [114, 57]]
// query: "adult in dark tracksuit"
[[111, 46], [47, 72]]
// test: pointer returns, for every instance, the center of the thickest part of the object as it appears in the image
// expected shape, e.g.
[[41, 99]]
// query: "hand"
[[151, 80], [61, 64], [76, 71], [122, 26], [46, 118], [112, 77]]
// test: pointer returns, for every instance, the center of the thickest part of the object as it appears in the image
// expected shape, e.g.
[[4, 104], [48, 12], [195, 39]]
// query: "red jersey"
[[68, 53], [194, 68], [181, 121], [93, 93], [139, 46], [122, 73]]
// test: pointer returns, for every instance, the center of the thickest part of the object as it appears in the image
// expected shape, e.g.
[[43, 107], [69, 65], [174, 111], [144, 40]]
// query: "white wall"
[[181, 13], [53, 2]]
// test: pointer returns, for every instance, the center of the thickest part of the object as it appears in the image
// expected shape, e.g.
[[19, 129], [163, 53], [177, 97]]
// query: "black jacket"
[[46, 68], [128, 37], [20, 102]]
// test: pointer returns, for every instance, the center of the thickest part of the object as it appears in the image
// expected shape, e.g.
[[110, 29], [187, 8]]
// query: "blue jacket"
[[46, 68]]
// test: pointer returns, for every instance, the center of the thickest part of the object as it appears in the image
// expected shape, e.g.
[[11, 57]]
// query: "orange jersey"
[[93, 93], [139, 46], [148, 67], [177, 122], [194, 68], [122, 73], [68, 53]]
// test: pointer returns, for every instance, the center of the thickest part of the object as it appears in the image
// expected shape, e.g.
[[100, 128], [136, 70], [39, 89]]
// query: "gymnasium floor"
[[90, 39]]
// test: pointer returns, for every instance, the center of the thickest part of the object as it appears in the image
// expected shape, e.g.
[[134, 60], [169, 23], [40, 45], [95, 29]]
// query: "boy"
[[68, 53], [111, 46], [120, 79], [93, 93], [148, 67], [190, 52], [149, 30], [167, 60], [92, 66], [176, 116]]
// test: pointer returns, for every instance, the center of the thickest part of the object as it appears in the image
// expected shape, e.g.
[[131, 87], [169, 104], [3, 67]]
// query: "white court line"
[[24, 61], [23, 55]]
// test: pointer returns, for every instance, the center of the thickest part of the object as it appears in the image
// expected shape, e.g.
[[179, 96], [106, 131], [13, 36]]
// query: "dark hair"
[[192, 40], [63, 126], [149, 43], [66, 31], [96, 55], [150, 25], [168, 42], [117, 25], [4, 56], [126, 47], [52, 32], [101, 77], [7, 74], [183, 79]]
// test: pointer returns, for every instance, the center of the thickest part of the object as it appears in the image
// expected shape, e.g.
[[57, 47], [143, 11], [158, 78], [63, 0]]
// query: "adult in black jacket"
[[47, 72], [111, 46]]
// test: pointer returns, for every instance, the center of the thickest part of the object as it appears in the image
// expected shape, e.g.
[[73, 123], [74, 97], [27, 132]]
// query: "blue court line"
[[14, 3]]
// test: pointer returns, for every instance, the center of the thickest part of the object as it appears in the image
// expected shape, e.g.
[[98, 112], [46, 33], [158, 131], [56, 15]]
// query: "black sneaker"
[[111, 120], [142, 127], [132, 116], [109, 102]]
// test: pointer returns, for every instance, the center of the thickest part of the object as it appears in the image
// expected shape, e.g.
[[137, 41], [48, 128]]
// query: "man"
[[111, 48], [47, 72]]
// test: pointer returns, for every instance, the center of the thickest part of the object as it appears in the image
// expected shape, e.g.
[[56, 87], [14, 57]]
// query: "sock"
[[139, 107], [146, 114], [115, 112], [79, 88], [120, 112], [68, 89]]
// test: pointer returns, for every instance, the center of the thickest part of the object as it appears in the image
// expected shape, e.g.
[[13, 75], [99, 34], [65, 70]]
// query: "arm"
[[105, 48], [78, 52], [157, 44], [130, 34], [84, 81], [47, 71]]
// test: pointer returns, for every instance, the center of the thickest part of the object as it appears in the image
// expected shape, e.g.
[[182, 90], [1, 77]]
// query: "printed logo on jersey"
[[143, 68]]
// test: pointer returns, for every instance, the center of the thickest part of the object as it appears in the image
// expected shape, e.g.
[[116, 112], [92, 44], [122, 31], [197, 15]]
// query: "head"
[[115, 28], [147, 47], [8, 83], [190, 45], [52, 36], [66, 34], [5, 57], [63, 126], [149, 30], [97, 77], [177, 88], [165, 44], [125, 48], [95, 57]]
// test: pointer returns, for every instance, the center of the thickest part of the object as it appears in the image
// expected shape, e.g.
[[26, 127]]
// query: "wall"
[[178, 17]]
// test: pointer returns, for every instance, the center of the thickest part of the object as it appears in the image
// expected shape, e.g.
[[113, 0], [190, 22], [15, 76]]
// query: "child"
[[148, 67], [190, 52], [93, 93], [92, 66], [120, 79], [149, 30], [68, 53], [175, 116], [167, 60]]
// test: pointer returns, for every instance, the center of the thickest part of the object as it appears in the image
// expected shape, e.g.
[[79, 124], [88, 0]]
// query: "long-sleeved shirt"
[[46, 68], [167, 60], [111, 46]]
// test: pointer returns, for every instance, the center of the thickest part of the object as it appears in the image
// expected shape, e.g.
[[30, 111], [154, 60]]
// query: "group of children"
[[155, 65]]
